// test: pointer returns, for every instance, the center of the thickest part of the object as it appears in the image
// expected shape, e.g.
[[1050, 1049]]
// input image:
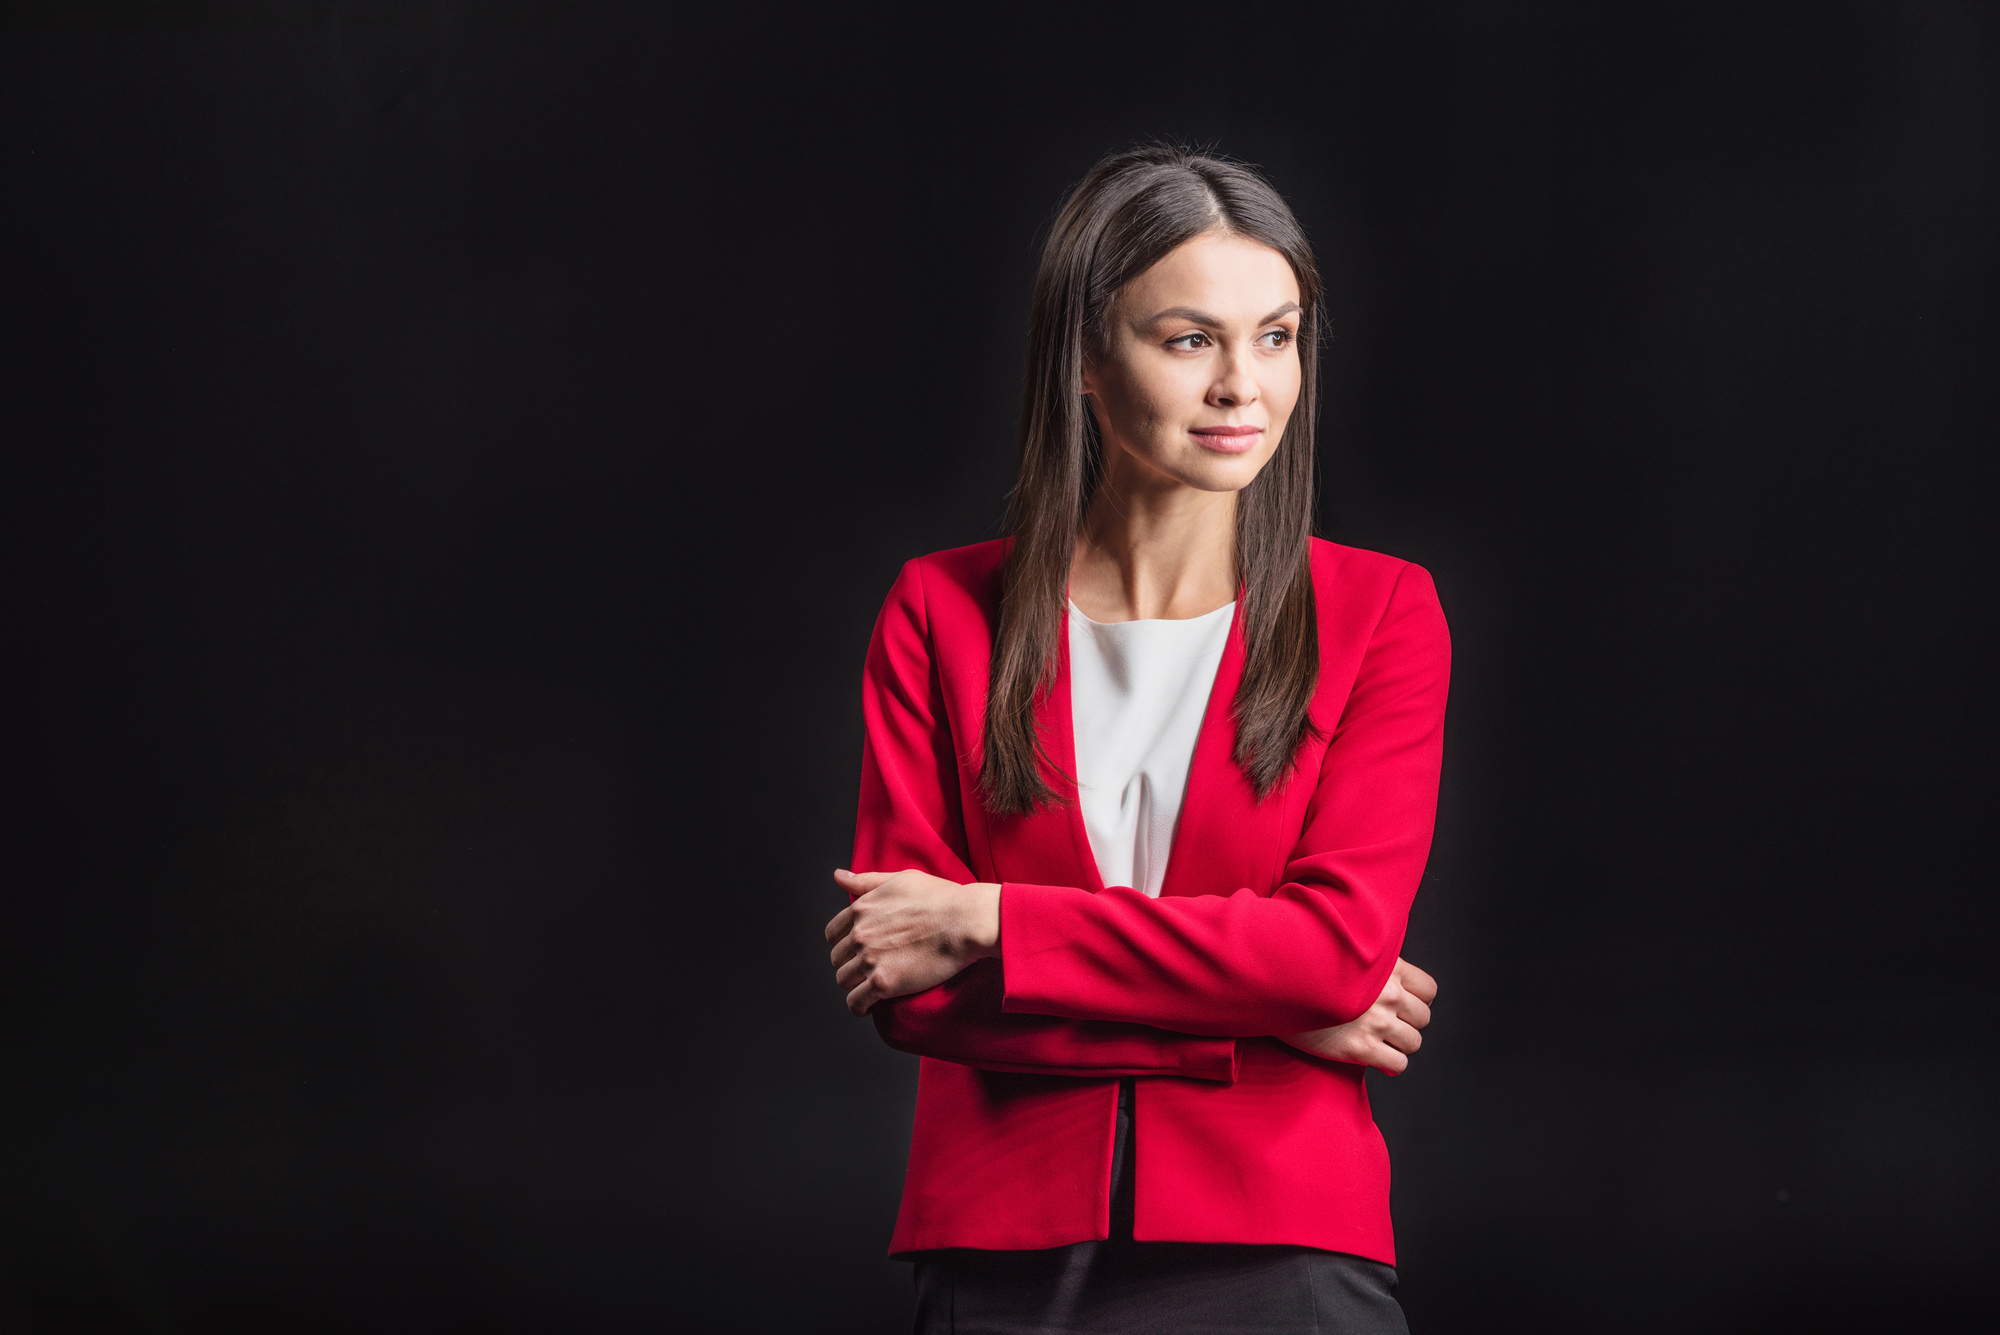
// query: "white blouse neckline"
[[1139, 691], [1229, 606]]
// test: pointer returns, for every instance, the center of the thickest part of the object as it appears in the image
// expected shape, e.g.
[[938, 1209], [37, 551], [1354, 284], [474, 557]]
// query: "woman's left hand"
[[1385, 1035], [908, 931]]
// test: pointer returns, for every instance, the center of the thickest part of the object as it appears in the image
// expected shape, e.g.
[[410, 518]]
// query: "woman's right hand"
[[1384, 1035]]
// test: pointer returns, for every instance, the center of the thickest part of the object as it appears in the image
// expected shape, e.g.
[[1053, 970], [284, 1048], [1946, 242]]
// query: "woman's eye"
[[1195, 340], [1278, 338]]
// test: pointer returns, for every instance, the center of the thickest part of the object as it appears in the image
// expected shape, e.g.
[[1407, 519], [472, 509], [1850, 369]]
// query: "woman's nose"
[[1234, 388]]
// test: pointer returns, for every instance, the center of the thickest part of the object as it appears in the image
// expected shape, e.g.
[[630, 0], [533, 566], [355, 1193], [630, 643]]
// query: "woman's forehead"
[[1224, 273]]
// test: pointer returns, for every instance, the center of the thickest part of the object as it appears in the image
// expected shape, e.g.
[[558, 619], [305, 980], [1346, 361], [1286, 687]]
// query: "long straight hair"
[[1123, 218]]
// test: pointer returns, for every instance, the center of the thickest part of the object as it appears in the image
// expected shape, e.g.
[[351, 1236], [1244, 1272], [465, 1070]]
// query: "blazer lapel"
[[1050, 845], [1055, 720], [1224, 838]]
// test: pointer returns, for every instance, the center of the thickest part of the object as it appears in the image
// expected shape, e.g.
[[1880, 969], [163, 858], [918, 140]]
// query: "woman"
[[1146, 793]]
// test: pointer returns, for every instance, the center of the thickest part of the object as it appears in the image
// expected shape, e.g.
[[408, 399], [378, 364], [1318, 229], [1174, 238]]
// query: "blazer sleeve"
[[911, 816], [1319, 950]]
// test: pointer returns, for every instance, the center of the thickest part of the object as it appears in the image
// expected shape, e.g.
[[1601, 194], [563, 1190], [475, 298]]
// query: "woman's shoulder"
[[978, 564], [1353, 585], [1357, 568], [956, 586]]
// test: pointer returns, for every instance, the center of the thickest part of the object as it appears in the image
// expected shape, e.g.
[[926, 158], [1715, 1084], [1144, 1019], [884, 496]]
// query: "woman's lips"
[[1227, 439]]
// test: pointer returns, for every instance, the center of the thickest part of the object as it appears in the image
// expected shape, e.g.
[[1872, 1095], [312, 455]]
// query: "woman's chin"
[[1220, 472]]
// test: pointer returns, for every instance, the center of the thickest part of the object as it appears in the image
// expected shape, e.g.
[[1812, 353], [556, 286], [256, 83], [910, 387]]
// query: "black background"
[[454, 457]]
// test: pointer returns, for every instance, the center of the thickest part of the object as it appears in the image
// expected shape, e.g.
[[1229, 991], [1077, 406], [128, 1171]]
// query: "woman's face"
[[1200, 367]]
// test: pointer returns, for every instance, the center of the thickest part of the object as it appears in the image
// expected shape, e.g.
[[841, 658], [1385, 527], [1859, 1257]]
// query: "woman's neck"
[[1154, 549]]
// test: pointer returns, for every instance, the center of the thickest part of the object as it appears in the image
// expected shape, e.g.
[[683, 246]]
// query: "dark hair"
[[1124, 217]]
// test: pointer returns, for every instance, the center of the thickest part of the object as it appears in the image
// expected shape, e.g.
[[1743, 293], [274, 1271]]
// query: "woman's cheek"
[[1191, 393], [1292, 381], [1154, 422]]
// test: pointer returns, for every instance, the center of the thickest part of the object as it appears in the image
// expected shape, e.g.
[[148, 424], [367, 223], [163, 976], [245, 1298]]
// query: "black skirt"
[[1172, 1288]]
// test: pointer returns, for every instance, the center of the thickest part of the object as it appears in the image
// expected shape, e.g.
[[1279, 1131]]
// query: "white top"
[[1138, 690]]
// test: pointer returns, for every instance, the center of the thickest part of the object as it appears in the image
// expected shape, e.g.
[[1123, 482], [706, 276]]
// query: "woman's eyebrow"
[[1188, 313], [1193, 316]]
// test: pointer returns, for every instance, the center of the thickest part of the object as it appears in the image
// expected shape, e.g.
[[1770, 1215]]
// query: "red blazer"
[[1276, 917]]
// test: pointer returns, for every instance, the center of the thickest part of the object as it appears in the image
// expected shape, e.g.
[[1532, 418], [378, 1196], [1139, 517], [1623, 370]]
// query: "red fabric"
[[1276, 916]]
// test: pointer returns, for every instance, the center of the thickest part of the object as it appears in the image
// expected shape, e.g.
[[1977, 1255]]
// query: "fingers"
[[1412, 1011], [1386, 1059], [1360, 1044], [1382, 1038], [844, 950], [840, 928], [1415, 980], [858, 883], [865, 984]]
